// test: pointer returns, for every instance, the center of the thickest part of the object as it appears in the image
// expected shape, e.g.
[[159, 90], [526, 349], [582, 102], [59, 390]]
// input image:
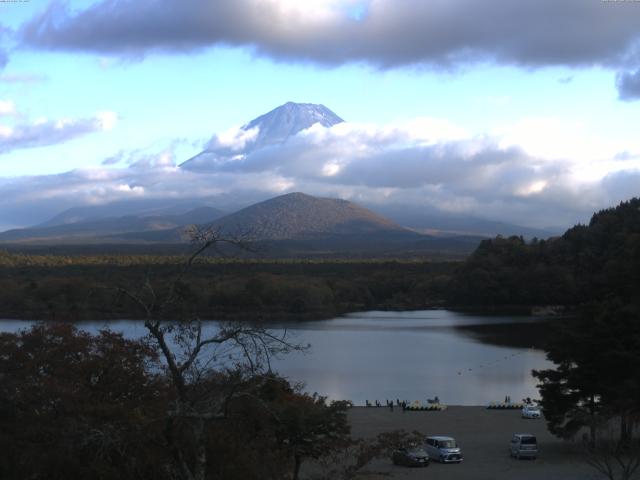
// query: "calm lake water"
[[463, 359]]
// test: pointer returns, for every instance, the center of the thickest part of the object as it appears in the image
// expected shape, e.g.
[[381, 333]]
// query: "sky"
[[524, 112]]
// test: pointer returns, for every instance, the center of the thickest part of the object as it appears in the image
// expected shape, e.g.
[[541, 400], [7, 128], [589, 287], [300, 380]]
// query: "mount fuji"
[[272, 128]]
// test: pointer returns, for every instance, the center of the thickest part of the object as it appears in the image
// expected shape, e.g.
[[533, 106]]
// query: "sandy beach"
[[484, 436]]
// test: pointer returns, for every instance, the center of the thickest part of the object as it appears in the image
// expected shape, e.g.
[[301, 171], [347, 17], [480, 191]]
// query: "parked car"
[[531, 411], [443, 449], [524, 445], [411, 457]]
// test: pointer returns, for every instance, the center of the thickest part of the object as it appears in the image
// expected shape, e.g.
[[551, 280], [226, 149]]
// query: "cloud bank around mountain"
[[424, 162], [381, 33]]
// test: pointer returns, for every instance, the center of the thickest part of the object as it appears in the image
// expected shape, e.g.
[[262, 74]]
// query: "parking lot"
[[484, 437]]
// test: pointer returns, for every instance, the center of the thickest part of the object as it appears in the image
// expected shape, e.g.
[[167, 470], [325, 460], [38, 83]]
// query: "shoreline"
[[294, 317]]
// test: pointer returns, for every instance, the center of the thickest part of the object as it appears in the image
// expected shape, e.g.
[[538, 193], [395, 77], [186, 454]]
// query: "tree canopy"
[[587, 263]]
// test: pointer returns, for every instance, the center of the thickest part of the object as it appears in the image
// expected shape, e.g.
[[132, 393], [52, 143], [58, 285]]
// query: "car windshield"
[[528, 440], [416, 452], [533, 409], [447, 443]]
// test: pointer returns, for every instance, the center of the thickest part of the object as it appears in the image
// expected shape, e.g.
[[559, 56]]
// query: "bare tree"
[[198, 357], [616, 454]]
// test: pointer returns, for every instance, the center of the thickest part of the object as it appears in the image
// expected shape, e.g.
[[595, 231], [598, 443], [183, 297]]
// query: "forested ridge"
[[71, 287], [588, 263]]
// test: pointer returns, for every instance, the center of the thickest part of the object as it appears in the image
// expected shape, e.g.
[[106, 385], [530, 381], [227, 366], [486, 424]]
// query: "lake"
[[461, 358]]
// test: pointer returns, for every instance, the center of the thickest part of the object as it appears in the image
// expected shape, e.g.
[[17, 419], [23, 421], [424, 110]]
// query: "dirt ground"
[[484, 437]]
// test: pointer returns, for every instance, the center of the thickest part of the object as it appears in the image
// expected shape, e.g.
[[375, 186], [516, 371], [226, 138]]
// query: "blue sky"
[[74, 93]]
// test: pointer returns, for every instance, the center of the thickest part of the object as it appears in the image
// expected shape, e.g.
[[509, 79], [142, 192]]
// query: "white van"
[[524, 445], [443, 449], [530, 411]]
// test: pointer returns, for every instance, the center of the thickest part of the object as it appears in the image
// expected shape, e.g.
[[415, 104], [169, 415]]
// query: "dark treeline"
[[587, 263], [594, 387], [66, 287]]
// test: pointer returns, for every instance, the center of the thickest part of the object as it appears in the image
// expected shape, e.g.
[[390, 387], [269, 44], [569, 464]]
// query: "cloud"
[[389, 33], [7, 107], [625, 155], [164, 159], [233, 140], [114, 159], [381, 33], [624, 183], [32, 199], [43, 132], [425, 163], [628, 84], [396, 157]]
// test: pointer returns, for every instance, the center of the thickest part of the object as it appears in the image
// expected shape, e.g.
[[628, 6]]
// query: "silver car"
[[530, 411], [411, 457], [443, 449], [524, 445]]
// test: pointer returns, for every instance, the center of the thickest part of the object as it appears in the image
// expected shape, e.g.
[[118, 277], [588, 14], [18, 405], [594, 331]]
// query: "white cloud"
[[107, 119], [126, 188], [425, 162], [5, 131], [552, 138], [233, 139], [7, 107]]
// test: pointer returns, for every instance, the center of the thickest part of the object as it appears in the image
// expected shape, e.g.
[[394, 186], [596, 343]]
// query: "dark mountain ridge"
[[293, 224]]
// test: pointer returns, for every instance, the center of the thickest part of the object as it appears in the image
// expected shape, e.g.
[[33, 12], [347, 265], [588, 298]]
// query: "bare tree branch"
[[183, 345]]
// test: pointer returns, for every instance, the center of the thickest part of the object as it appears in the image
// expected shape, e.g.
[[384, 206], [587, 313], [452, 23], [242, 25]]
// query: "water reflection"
[[404, 355], [413, 356]]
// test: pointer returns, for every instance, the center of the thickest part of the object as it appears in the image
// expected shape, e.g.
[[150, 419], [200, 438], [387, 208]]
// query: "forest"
[[84, 287], [588, 263]]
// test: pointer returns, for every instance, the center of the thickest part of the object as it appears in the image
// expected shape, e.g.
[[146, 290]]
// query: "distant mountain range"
[[296, 222], [138, 208], [73, 228], [432, 222]]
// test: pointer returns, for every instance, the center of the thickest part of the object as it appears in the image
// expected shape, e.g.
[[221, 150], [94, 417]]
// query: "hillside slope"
[[107, 229], [297, 215]]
